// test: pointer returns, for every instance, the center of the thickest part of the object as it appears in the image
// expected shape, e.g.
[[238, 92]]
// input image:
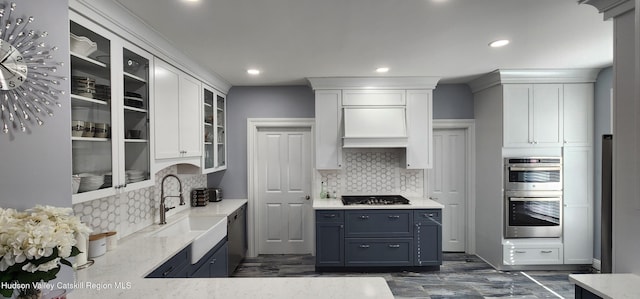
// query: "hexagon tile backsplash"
[[134, 210], [373, 171]]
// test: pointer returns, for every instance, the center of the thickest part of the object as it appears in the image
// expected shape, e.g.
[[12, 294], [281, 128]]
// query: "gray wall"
[[255, 102], [452, 101], [449, 101], [602, 125], [35, 166]]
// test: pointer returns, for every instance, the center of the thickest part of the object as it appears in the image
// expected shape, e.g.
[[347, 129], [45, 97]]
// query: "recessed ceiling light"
[[499, 43], [382, 69], [253, 72]]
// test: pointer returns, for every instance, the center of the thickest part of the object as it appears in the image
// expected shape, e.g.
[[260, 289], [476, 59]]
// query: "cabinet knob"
[[394, 245], [364, 246], [408, 164], [364, 217], [394, 217], [546, 251]]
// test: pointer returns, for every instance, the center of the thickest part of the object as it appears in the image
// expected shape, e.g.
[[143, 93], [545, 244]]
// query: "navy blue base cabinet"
[[212, 264], [584, 294], [353, 239]]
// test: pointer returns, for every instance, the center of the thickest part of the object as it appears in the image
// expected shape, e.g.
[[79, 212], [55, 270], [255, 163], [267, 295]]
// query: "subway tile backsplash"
[[134, 210], [373, 171]]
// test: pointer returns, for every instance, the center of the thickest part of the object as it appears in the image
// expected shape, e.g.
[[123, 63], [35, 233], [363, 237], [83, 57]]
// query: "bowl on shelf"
[[89, 129], [77, 128], [82, 45], [90, 182], [134, 134], [101, 130]]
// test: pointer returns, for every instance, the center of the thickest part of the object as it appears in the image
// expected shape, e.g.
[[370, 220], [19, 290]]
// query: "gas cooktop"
[[374, 200]]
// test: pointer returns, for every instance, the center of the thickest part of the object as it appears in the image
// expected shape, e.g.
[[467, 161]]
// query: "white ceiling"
[[289, 40]]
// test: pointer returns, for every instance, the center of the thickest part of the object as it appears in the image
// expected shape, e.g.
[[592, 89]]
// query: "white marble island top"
[[121, 273], [609, 286], [336, 204]]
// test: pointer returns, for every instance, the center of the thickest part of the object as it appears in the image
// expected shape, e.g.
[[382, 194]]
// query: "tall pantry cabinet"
[[533, 113]]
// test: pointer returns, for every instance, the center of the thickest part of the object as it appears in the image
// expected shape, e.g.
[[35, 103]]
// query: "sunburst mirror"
[[29, 86]]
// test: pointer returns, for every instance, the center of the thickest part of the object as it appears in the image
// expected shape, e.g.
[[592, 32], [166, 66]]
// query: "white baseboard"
[[596, 264]]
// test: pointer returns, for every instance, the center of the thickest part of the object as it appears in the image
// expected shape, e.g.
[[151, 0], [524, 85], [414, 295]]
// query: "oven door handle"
[[514, 168], [534, 199]]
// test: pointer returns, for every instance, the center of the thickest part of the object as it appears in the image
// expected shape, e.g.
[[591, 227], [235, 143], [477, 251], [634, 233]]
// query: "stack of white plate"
[[90, 182], [135, 175]]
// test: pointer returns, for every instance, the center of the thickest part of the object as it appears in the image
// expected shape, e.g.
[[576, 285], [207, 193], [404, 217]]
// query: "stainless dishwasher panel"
[[237, 235]]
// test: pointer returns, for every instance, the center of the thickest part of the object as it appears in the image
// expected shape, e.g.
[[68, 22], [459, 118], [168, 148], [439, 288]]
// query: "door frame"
[[253, 125], [469, 125]]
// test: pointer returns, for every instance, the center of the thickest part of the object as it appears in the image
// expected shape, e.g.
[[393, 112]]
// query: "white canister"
[[97, 245], [112, 240]]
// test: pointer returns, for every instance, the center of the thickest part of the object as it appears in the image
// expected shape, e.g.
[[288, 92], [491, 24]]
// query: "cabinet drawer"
[[532, 255], [330, 216], [376, 223], [174, 267], [379, 252], [426, 216]]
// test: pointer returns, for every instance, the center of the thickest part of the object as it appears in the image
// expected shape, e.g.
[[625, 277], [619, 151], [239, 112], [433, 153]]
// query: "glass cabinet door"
[[135, 105], [221, 137], [209, 132], [92, 113]]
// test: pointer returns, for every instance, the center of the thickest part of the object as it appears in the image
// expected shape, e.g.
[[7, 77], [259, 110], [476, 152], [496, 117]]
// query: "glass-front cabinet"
[[109, 112], [215, 122]]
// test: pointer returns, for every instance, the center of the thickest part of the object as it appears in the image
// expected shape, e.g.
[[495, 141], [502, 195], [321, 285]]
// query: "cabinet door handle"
[[394, 245], [546, 251], [341, 226], [364, 217], [394, 217], [364, 246], [329, 216], [520, 251], [213, 261], [168, 271]]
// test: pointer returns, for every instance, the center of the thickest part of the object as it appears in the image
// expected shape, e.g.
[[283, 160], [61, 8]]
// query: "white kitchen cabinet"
[[110, 96], [215, 122], [578, 205], [420, 124], [177, 113], [532, 115], [532, 254], [328, 129], [578, 114]]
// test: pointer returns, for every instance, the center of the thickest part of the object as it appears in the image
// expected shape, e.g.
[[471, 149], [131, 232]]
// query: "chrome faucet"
[[163, 208]]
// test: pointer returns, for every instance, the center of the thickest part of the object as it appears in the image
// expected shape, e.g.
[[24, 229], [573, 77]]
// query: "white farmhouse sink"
[[206, 230]]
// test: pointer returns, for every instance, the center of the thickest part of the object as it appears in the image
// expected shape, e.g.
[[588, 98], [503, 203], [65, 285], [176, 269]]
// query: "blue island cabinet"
[[329, 238], [369, 238]]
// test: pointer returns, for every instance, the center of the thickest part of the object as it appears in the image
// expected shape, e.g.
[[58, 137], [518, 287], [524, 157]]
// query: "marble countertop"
[[609, 286], [336, 204], [121, 273]]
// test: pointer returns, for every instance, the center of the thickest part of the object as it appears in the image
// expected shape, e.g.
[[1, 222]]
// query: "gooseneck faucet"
[[163, 207]]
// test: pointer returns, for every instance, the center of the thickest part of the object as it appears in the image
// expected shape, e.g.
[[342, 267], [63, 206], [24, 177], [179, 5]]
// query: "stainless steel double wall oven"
[[533, 197]]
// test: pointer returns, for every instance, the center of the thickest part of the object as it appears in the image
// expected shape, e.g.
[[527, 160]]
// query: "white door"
[[284, 182], [448, 183]]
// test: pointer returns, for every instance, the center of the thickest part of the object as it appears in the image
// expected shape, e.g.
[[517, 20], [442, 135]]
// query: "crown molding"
[[514, 76], [610, 8], [373, 83]]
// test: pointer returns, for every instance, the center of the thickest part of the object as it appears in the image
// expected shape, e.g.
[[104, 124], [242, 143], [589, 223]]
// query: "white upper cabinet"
[[328, 129], [110, 92], [578, 114], [177, 113], [532, 115], [419, 121], [373, 97]]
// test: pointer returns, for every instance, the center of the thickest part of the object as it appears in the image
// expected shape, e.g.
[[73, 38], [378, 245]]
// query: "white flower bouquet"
[[34, 243]]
